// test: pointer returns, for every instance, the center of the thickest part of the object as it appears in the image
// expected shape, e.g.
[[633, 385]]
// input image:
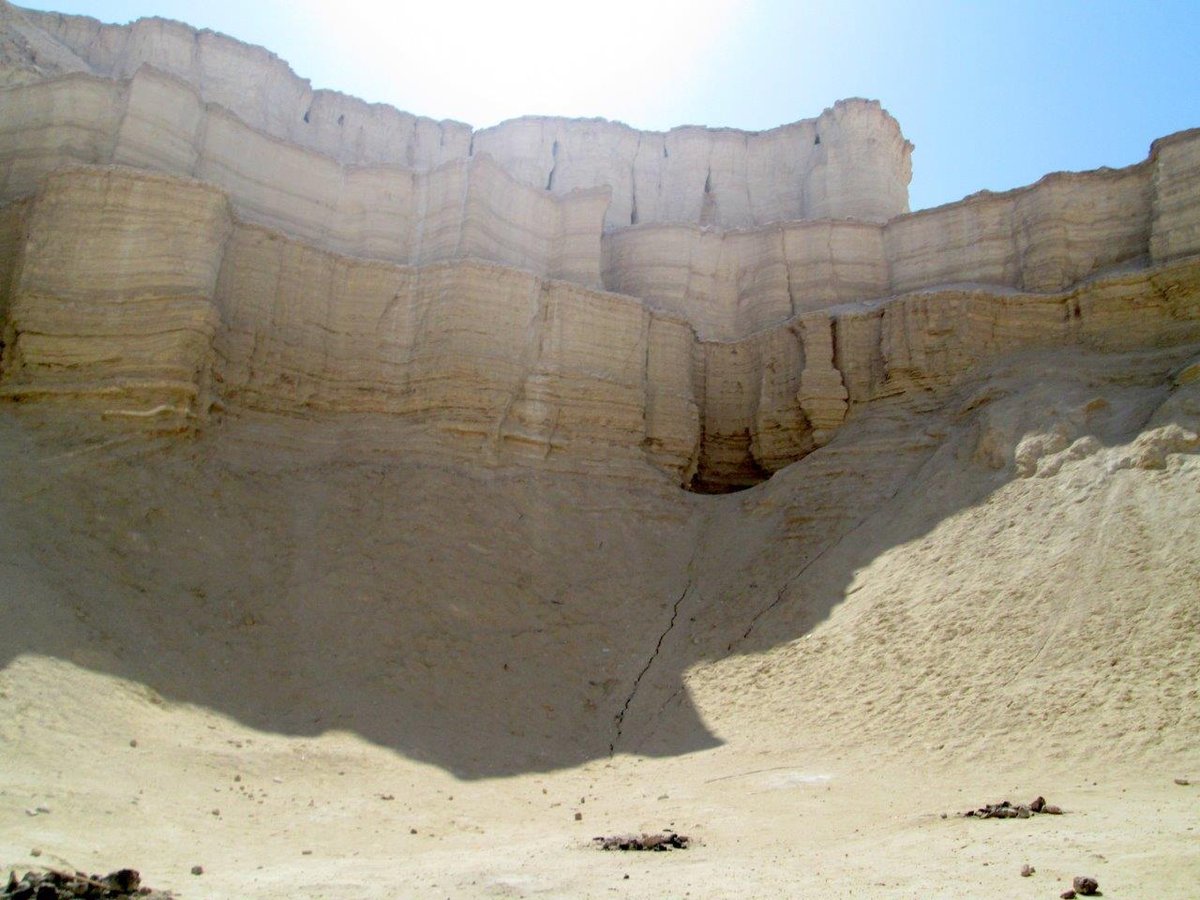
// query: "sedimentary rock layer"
[[1042, 238], [727, 283], [465, 208], [176, 236], [769, 399], [851, 161], [113, 302], [1176, 214], [147, 292], [493, 359]]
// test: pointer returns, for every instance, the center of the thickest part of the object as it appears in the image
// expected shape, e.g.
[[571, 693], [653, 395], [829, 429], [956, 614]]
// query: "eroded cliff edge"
[[574, 293]]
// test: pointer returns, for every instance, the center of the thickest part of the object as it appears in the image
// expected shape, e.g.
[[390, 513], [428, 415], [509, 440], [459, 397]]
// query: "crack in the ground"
[[620, 718]]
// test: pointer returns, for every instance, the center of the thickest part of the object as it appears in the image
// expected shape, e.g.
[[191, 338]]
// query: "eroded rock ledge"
[[212, 311], [172, 244]]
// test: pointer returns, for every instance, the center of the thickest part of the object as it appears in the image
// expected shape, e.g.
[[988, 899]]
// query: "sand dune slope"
[[370, 674]]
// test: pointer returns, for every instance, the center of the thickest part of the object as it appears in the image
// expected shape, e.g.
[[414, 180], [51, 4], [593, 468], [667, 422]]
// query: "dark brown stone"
[[1085, 885]]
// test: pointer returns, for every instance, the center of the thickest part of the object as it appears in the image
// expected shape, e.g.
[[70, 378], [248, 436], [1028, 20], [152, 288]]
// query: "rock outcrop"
[[186, 227]]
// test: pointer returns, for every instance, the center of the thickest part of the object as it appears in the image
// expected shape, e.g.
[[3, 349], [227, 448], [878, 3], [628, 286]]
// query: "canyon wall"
[[468, 207], [186, 227]]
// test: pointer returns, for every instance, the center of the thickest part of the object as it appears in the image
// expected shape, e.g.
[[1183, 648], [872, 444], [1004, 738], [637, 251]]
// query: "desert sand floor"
[[318, 666]]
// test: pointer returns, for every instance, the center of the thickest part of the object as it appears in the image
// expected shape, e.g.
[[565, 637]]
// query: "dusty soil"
[[315, 669]]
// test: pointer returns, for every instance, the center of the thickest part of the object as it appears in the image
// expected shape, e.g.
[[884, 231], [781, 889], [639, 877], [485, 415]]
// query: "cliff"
[[187, 228]]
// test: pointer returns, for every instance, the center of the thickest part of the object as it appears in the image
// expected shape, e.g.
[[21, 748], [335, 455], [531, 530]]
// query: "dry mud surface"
[[317, 669]]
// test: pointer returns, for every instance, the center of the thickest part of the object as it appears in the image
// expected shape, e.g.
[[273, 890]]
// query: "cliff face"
[[186, 227]]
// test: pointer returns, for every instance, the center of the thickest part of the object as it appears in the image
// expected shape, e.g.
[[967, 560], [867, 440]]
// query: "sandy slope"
[[981, 592]]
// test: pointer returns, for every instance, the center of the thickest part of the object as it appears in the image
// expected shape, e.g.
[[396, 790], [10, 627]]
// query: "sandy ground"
[[319, 671]]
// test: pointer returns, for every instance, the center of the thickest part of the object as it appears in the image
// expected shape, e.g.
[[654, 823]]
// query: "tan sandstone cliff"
[[186, 228]]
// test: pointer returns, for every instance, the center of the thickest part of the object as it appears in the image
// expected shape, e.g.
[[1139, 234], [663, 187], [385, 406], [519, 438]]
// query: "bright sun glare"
[[482, 62]]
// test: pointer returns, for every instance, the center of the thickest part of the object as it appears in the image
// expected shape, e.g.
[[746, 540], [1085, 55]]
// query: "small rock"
[[1027, 870], [1067, 894], [412, 831], [127, 880], [35, 852], [197, 870], [43, 810], [1085, 885], [578, 817], [216, 812], [1052, 810], [46, 891], [1023, 812], [1182, 782], [133, 743], [1038, 805]]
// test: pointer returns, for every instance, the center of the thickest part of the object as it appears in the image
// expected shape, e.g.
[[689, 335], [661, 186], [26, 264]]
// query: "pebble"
[[1085, 885], [1182, 782], [578, 817], [1067, 895], [35, 852], [1027, 870], [133, 743], [197, 870]]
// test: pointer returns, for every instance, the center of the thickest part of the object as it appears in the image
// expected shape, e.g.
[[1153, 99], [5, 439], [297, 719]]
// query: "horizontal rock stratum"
[[187, 227], [343, 544]]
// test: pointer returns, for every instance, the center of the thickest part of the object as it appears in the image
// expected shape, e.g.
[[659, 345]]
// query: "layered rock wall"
[[172, 241], [465, 208], [850, 162], [114, 297], [254, 85], [1176, 217], [494, 359], [1041, 238]]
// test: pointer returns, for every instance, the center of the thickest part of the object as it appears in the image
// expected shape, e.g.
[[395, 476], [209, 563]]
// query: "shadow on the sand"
[[490, 624]]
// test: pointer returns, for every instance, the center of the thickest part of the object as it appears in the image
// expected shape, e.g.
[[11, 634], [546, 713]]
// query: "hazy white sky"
[[993, 95]]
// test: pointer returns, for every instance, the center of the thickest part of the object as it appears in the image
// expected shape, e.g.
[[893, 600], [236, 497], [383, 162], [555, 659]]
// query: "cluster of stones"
[[1006, 810], [668, 840], [1081, 886], [54, 885]]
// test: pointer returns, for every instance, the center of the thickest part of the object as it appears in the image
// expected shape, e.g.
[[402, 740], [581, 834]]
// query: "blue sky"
[[993, 95]]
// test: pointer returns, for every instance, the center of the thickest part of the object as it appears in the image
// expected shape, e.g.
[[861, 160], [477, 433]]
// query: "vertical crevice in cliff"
[[553, 166], [787, 271], [633, 186], [708, 203], [834, 353]]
